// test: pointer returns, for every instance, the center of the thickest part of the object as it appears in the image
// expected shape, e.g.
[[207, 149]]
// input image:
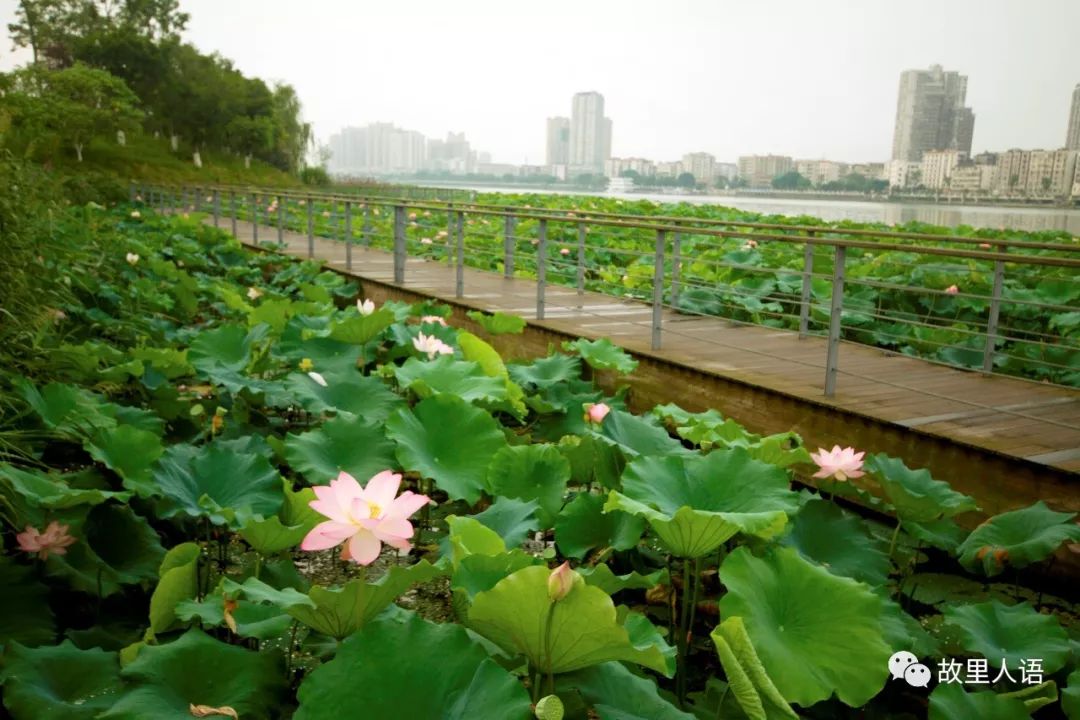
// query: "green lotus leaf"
[[468, 536], [164, 681], [944, 534], [286, 529], [1017, 538], [949, 701], [130, 453], [343, 444], [498, 323], [446, 375], [339, 612], [546, 372], [914, 493], [602, 354], [638, 435], [179, 581], [51, 490], [476, 350], [839, 542], [171, 363], [904, 632], [224, 348], [367, 398], [603, 577], [257, 591], [1010, 634], [59, 682], [1070, 696], [696, 503], [25, 616], [114, 547], [217, 482], [448, 440], [373, 676], [262, 622], [816, 633], [593, 460], [531, 472], [616, 693], [360, 329], [69, 410], [478, 573], [753, 688], [516, 614], [583, 525], [512, 520], [1035, 696]]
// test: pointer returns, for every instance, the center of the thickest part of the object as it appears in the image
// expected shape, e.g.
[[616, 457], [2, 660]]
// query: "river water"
[[891, 213]]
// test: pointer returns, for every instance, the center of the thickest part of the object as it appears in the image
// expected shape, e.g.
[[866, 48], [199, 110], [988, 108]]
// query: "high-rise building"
[[759, 170], [558, 141], [590, 133], [1072, 134], [820, 172], [615, 167], [453, 155], [937, 167], [930, 114], [701, 165]]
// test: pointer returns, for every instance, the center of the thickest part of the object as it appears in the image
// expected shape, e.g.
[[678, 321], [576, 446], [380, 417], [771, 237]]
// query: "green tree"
[[686, 180], [790, 181]]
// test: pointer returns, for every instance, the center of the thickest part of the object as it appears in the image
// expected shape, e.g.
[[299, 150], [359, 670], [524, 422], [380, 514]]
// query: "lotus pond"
[[230, 487]]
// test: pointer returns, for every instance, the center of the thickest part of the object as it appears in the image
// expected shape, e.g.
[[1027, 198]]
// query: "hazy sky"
[[808, 78]]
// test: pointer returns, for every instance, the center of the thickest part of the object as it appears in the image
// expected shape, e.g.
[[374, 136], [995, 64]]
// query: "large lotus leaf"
[[131, 453], [286, 529], [367, 398], [816, 633], [25, 615], [546, 372], [904, 632], [263, 622], [498, 323], [639, 435], [59, 682], [531, 472], [329, 357], [52, 491], [359, 329], [1010, 634], [218, 482], [616, 693], [468, 537], [344, 443], [1070, 696], [1017, 538], [584, 628], [603, 577], [696, 503], [583, 525], [449, 440], [179, 581], [914, 493], [225, 348], [340, 612], [754, 690], [69, 410], [164, 681], [511, 519], [601, 354], [476, 350], [454, 377], [114, 547], [949, 701], [839, 542], [477, 573], [373, 675]]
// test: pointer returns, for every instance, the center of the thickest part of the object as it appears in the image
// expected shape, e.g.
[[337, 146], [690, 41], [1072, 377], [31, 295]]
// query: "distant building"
[[558, 141], [617, 166], [930, 114], [454, 155], [669, 169], [759, 170], [728, 171], [1072, 134], [378, 148], [937, 167], [1036, 172], [701, 165], [590, 133], [972, 179], [870, 171], [820, 172], [903, 174], [499, 169]]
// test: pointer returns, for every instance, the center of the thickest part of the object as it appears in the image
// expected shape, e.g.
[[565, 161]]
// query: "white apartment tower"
[[590, 133], [930, 114], [558, 141], [1072, 134]]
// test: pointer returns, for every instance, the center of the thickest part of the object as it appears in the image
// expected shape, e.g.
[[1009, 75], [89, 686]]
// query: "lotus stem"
[[895, 536]]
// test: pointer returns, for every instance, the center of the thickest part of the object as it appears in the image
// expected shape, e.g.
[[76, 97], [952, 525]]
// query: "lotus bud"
[[366, 307], [560, 582], [595, 413]]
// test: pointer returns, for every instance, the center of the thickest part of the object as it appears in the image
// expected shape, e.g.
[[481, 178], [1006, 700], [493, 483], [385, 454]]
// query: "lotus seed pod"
[[550, 708]]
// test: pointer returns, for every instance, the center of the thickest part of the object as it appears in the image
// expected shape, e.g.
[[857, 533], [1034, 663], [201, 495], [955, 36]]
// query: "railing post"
[[995, 310], [807, 287], [365, 230], [450, 230], [541, 269], [348, 235], [676, 268], [198, 198], [581, 260], [232, 209], [836, 308], [508, 246], [281, 201], [310, 227], [658, 290], [399, 244], [459, 284], [254, 219], [217, 207], [131, 193]]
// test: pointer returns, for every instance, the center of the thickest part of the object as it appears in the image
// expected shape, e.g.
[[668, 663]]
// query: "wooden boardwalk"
[[1034, 422]]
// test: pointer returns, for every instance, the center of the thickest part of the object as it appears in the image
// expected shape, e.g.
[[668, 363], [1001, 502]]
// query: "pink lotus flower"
[[431, 345], [750, 245], [412, 216], [952, 290], [425, 241], [363, 518], [595, 412], [560, 582], [438, 320], [564, 251], [54, 540], [840, 464], [985, 246]]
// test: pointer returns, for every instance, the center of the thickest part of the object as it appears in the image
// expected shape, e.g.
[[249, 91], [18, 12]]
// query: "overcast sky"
[[808, 78]]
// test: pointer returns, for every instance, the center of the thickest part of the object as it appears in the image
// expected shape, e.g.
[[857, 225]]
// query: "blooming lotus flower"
[[952, 290], [840, 464], [564, 251], [750, 245], [441, 234], [54, 540], [985, 246], [560, 582], [363, 517], [366, 307], [425, 241], [136, 214], [254, 293], [431, 345], [437, 319], [132, 258], [326, 213], [412, 216], [317, 378], [595, 412], [306, 365]]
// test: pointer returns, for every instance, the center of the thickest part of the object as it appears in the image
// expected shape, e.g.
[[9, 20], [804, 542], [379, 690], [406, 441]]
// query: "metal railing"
[[813, 280]]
